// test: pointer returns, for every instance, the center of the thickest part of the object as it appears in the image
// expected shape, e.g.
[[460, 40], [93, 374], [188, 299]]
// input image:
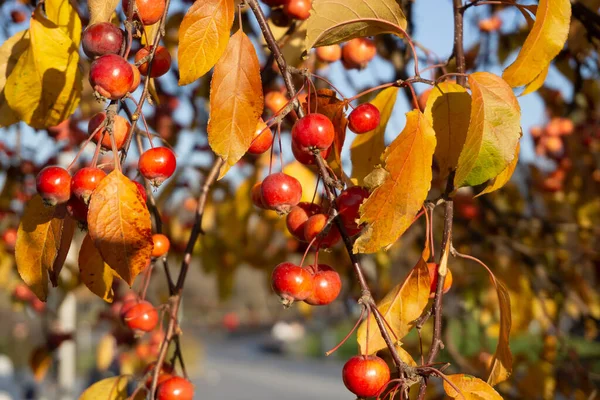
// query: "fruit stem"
[[362, 314]]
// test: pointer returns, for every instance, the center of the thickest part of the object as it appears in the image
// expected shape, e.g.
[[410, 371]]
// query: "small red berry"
[[9, 237], [256, 195], [348, 204], [308, 158], [101, 39], [54, 185], [157, 164], [296, 219], [433, 278], [111, 76], [313, 131], [357, 52], [161, 245], [263, 139], [291, 282], [166, 370], [149, 11], [298, 9], [141, 316], [137, 78], [326, 285], [364, 118], [21, 292], [281, 192], [160, 65], [120, 129], [77, 209], [329, 53], [365, 376], [142, 190], [315, 225], [85, 181], [176, 388], [18, 16], [275, 101]]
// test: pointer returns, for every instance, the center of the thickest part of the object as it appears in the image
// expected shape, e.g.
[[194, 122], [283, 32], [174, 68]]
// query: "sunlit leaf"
[[44, 87], [93, 272], [305, 176], [10, 52], [119, 224], [101, 10], [471, 388], [203, 37], [400, 307], [502, 362], [40, 361], [494, 130], [391, 208], [366, 149], [38, 244], [537, 83], [62, 13], [502, 179], [448, 109], [405, 356], [236, 100], [333, 21], [105, 351], [545, 40], [114, 388]]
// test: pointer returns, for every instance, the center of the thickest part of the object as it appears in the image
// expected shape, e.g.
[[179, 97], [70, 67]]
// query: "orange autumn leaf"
[[40, 361], [470, 388], [203, 37], [400, 308], [94, 272], [43, 240], [236, 100], [119, 224], [502, 362], [392, 206]]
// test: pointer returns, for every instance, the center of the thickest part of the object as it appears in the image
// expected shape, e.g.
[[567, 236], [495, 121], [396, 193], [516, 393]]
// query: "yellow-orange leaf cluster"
[[236, 100], [470, 388], [392, 207]]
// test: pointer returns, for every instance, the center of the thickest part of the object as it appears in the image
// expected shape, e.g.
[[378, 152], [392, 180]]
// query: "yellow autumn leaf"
[[62, 13], [366, 149], [502, 179], [119, 224], [39, 242], [333, 21], [105, 351], [114, 388], [448, 109], [236, 100], [545, 40], [40, 361], [203, 37], [494, 130], [400, 308], [471, 388], [391, 208], [502, 361], [306, 177], [44, 86], [405, 356], [10, 52], [537, 83], [94, 272], [101, 10]]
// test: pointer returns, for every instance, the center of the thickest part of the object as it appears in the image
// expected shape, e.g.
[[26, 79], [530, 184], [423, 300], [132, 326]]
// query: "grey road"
[[237, 370]]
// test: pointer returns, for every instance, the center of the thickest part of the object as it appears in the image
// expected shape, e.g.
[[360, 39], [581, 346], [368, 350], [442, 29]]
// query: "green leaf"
[[494, 130], [366, 149], [502, 179], [334, 21]]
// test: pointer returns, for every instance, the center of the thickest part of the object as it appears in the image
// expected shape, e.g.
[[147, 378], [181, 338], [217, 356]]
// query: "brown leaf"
[[392, 207], [366, 149], [119, 224], [101, 10], [236, 100], [39, 362], [203, 37], [400, 307], [63, 247], [471, 388], [502, 362], [94, 272], [40, 244]]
